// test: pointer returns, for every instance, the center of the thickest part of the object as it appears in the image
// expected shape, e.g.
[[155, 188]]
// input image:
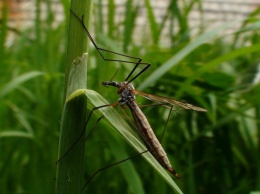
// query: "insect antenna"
[[114, 74]]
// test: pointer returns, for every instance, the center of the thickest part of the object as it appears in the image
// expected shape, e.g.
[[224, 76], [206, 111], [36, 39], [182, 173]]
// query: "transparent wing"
[[171, 101]]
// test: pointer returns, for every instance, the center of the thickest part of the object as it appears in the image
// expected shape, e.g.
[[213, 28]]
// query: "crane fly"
[[127, 94], [129, 60]]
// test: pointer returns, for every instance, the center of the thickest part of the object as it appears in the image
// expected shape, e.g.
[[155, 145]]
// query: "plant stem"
[[70, 165], [77, 40]]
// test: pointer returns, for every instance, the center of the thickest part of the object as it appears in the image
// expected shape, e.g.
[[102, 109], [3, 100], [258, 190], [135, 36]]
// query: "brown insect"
[[127, 94]]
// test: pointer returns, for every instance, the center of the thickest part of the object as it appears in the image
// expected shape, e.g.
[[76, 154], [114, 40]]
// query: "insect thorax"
[[126, 93]]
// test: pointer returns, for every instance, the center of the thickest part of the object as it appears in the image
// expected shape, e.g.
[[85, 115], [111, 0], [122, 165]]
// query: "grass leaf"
[[114, 120], [181, 54], [16, 82]]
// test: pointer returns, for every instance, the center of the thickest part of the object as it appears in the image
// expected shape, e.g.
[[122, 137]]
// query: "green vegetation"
[[214, 152], [70, 167]]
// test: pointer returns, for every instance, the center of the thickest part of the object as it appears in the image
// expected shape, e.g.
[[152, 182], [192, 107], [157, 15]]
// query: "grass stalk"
[[77, 40], [70, 166]]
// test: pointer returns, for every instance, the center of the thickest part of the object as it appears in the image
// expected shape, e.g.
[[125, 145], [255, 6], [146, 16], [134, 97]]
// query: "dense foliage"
[[214, 152]]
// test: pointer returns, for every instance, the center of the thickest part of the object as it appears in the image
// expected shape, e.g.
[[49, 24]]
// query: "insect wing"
[[171, 101]]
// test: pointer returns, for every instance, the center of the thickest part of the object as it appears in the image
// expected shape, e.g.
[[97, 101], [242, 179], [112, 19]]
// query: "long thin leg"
[[83, 130], [148, 105], [114, 164], [131, 157], [137, 63], [90, 133], [108, 166], [165, 126]]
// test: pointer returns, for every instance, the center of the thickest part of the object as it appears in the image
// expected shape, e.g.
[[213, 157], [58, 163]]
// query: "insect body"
[[127, 94], [127, 97]]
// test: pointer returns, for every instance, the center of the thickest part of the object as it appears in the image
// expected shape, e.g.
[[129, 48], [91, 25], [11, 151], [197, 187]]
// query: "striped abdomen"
[[151, 141]]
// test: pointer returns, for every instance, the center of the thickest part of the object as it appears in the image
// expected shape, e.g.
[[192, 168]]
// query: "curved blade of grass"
[[17, 81], [128, 169], [217, 61], [132, 178], [254, 26], [8, 133], [117, 123], [183, 53]]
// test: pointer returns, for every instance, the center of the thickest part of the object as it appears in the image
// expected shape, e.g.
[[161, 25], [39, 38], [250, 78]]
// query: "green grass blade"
[[113, 119], [181, 54], [3, 32], [77, 41], [71, 166], [129, 24], [127, 168], [219, 60], [9, 133], [111, 19], [153, 25], [78, 75], [16, 82], [70, 169]]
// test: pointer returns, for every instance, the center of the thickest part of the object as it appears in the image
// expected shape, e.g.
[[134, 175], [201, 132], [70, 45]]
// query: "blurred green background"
[[217, 69]]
